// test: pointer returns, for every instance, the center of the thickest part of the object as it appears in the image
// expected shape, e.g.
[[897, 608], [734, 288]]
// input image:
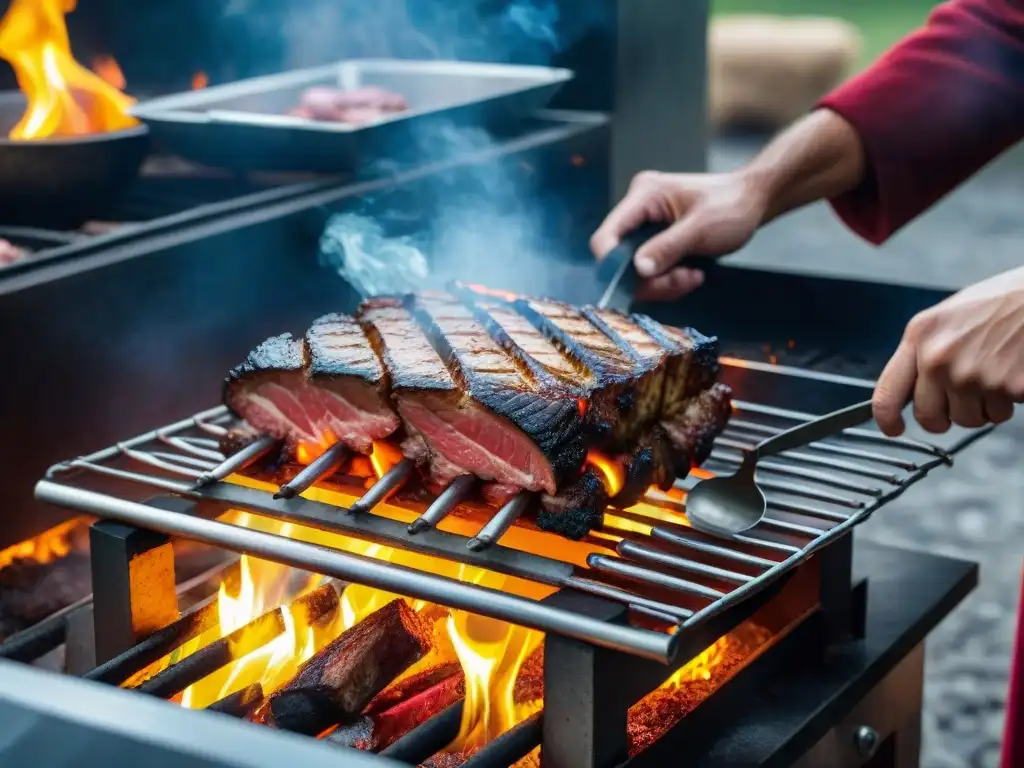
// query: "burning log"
[[240, 703], [379, 731], [338, 682], [315, 606]]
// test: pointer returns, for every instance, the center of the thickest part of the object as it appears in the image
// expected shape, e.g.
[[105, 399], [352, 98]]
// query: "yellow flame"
[[492, 653], [64, 98], [612, 472], [47, 546]]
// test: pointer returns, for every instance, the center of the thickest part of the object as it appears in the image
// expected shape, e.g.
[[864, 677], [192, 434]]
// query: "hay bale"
[[766, 71]]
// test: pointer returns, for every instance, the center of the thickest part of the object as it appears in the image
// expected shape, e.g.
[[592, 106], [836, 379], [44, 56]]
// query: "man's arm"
[[933, 110]]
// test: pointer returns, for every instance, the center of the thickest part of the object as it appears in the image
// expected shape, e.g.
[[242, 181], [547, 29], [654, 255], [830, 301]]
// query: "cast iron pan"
[[61, 183]]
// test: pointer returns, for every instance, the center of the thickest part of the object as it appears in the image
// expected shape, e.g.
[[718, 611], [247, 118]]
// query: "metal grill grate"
[[645, 557]]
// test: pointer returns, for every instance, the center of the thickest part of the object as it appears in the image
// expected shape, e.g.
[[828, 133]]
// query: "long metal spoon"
[[730, 504]]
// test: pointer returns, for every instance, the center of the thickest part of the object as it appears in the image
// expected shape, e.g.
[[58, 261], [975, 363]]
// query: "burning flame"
[[47, 546], [263, 586], [64, 98], [199, 81], [612, 471]]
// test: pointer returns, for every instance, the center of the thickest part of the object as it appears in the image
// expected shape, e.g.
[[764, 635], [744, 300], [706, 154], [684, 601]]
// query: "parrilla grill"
[[644, 558], [516, 392]]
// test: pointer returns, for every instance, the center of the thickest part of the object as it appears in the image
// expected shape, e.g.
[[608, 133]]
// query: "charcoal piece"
[[241, 702], [342, 678]]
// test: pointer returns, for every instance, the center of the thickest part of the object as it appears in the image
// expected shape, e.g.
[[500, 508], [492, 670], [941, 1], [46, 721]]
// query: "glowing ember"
[[64, 98], [47, 546], [199, 81], [680, 694]]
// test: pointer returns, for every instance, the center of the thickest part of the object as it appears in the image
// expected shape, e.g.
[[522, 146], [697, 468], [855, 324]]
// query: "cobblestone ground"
[[974, 510]]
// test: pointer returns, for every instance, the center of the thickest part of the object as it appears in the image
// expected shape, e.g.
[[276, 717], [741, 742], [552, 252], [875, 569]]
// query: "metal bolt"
[[866, 740]]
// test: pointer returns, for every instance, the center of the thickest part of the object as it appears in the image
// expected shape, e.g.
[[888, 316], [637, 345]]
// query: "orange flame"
[[199, 81], [383, 457], [47, 546], [107, 68], [612, 471], [491, 653], [64, 98]]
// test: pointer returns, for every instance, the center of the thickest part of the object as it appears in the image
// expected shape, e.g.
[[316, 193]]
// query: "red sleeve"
[[933, 110]]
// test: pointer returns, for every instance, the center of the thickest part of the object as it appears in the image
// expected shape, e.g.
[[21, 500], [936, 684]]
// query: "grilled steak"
[[514, 391], [330, 387], [468, 406]]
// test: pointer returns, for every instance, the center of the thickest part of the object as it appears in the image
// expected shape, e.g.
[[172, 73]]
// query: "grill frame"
[[745, 377]]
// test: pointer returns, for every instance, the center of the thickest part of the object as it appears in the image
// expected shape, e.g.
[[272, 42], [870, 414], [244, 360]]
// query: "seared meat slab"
[[329, 387], [517, 392]]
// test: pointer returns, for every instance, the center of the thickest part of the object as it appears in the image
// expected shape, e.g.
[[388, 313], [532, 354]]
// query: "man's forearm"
[[818, 157]]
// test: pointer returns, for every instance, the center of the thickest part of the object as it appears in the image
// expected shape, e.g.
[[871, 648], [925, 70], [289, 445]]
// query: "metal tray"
[[243, 125]]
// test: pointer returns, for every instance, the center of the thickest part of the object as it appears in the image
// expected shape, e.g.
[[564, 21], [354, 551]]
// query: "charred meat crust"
[[576, 509], [702, 352], [336, 345], [652, 463], [277, 355], [496, 378]]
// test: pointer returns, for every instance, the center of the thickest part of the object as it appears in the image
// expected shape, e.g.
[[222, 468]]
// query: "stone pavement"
[[974, 510]]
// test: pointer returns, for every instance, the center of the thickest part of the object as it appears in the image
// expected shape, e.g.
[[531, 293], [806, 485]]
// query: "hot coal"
[[380, 730], [514, 391], [336, 684], [240, 703]]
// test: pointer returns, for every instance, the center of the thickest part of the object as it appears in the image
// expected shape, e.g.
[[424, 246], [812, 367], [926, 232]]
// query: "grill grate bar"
[[190, 461], [622, 567], [859, 433], [773, 467], [636, 551], [326, 464], [153, 461], [444, 504], [707, 548], [620, 595], [384, 488], [239, 461], [762, 431], [815, 461], [788, 527], [503, 519], [803, 509]]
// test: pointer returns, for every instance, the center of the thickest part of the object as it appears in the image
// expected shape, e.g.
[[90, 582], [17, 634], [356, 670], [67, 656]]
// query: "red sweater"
[[932, 111]]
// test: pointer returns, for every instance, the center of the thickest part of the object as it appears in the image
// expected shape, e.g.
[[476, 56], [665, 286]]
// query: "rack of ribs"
[[520, 393]]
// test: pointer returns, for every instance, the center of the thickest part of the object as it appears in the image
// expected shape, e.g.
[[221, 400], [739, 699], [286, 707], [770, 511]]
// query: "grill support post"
[[583, 684], [840, 602], [133, 585]]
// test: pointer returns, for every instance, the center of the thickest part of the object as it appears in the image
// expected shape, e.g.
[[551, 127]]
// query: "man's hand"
[[962, 361], [819, 156], [709, 214]]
